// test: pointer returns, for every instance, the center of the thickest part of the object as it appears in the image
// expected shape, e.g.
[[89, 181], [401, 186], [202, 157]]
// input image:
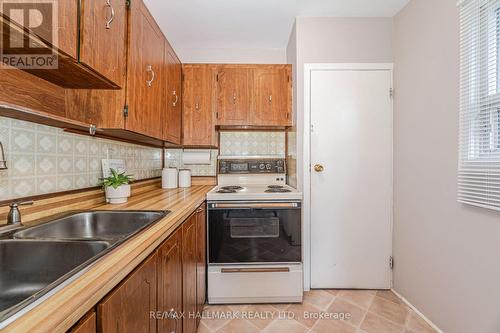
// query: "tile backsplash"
[[252, 143], [173, 159], [43, 159]]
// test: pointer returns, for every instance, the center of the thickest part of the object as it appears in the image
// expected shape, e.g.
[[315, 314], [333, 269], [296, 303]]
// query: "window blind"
[[479, 139]]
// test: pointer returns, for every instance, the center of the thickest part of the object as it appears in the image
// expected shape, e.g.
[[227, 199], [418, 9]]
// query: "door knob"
[[319, 168]]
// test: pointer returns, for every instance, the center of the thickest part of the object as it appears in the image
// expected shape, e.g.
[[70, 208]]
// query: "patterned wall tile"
[[44, 159], [252, 143]]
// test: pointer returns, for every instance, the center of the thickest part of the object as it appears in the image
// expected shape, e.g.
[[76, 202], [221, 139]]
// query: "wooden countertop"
[[62, 310]]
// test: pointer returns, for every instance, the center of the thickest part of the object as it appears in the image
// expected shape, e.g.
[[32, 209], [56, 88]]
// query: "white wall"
[[232, 56], [447, 255], [291, 58]]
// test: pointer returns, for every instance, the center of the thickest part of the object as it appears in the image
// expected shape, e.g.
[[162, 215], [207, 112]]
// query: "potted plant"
[[117, 187]]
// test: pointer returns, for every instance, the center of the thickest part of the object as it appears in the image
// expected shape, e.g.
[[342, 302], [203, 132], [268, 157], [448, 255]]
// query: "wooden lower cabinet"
[[201, 262], [170, 284], [87, 324], [189, 273], [128, 308], [165, 294]]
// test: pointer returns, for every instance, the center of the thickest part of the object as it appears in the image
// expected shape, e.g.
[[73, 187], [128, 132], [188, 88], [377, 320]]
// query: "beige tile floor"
[[369, 311]]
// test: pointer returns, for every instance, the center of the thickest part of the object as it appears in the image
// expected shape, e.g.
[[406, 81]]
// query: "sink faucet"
[[14, 216]]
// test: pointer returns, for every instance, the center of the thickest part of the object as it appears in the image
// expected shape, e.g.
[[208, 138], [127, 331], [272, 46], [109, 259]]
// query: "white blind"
[[479, 142]]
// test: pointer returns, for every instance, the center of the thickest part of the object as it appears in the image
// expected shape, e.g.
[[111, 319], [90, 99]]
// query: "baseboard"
[[427, 320]]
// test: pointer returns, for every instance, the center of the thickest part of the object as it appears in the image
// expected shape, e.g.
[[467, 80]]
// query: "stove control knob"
[[280, 169], [268, 166], [262, 166]]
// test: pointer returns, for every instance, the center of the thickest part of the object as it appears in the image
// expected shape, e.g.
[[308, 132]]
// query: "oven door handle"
[[256, 270], [256, 205]]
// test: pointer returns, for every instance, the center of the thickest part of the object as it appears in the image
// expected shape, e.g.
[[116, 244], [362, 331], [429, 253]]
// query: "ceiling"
[[251, 24]]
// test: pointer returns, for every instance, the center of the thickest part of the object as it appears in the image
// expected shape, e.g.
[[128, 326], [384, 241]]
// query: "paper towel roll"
[[196, 156]]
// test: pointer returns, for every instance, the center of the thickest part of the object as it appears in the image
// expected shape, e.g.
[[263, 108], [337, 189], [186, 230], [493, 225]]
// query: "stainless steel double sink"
[[34, 261]]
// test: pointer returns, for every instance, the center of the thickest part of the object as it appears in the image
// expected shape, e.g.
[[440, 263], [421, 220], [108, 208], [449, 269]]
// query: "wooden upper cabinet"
[[272, 91], [173, 95], [103, 37], [197, 109], [234, 95], [145, 82], [170, 283], [67, 33], [127, 309], [61, 41], [189, 274]]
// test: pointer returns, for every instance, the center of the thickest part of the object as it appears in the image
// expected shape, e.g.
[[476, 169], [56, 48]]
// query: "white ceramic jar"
[[169, 178], [184, 178]]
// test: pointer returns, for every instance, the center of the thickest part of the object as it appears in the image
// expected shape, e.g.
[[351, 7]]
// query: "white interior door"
[[351, 199]]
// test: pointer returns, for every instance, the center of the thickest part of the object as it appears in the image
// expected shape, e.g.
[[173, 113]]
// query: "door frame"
[[309, 68]]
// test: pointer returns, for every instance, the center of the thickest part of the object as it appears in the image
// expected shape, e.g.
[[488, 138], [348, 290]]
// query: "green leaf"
[[116, 179]]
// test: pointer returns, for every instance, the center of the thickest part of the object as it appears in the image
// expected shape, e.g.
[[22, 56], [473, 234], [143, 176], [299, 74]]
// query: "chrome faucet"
[[14, 216]]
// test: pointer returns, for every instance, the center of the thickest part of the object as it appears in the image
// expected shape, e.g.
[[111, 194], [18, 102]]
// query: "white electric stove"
[[254, 233], [252, 178]]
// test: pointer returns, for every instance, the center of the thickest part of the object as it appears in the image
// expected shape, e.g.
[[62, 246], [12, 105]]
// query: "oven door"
[[254, 232]]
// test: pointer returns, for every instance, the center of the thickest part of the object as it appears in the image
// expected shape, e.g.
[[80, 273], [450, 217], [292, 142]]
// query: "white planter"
[[119, 195]]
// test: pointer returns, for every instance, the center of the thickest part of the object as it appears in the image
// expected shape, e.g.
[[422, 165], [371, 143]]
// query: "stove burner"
[[231, 188], [275, 186], [278, 190], [226, 191]]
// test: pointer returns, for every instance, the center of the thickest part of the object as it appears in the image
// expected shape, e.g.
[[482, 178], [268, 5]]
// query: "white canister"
[[169, 178], [184, 178]]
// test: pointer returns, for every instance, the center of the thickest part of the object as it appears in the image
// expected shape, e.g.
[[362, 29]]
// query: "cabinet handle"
[[174, 103], [110, 6], [150, 69], [270, 99], [234, 97], [197, 106], [176, 320]]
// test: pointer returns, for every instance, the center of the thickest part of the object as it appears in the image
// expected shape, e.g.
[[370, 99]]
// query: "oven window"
[[254, 235]]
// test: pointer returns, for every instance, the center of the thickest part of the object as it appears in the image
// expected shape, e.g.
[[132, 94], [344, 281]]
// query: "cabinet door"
[[201, 249], [189, 266], [173, 94], [87, 324], [103, 38], [127, 309], [145, 83], [197, 122], [234, 90], [272, 96], [67, 30], [170, 283]]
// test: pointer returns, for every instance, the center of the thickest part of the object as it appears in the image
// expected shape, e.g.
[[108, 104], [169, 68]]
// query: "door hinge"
[[391, 262], [125, 111], [391, 92]]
